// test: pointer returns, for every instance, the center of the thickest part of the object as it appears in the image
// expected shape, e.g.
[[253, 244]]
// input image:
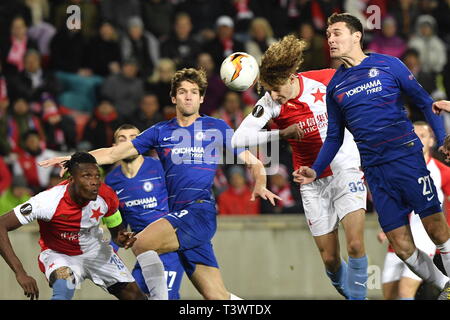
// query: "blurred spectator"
[[124, 89], [411, 59], [159, 83], [27, 161], [40, 10], [60, 129], [261, 37], [320, 10], [5, 147], [280, 185], [387, 41], [140, 45], [17, 194], [5, 176], [158, 17], [405, 13], [236, 199], [9, 9], [119, 12], [442, 14], [20, 122], [243, 16], [40, 30], [433, 55], [181, 47], [33, 81], [148, 113], [428, 6], [99, 130], [54, 178], [14, 47], [231, 110], [216, 88], [102, 55], [89, 16], [315, 55], [204, 13], [224, 43], [67, 50]]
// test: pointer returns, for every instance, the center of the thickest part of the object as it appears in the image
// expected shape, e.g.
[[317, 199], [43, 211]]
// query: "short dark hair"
[[125, 126], [191, 75], [76, 159], [350, 21]]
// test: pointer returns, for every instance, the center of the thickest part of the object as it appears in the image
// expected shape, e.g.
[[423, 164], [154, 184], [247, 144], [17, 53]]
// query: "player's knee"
[[404, 252], [141, 246], [61, 273], [355, 248], [331, 262], [438, 233]]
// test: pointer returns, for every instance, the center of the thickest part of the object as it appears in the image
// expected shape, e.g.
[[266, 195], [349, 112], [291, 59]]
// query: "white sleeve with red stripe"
[[249, 132], [41, 207]]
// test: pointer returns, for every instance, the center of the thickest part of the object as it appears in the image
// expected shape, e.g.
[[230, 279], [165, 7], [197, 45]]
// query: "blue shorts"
[[174, 273], [195, 226], [399, 187]]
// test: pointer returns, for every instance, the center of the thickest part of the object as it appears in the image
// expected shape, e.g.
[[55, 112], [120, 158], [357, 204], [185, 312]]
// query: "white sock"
[[234, 297], [153, 272], [422, 265], [445, 255]]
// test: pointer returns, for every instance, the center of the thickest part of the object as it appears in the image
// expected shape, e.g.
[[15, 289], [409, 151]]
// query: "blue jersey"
[[189, 156], [143, 198], [367, 99]]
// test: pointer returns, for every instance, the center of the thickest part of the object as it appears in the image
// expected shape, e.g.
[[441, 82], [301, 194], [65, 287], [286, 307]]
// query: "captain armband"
[[113, 220]]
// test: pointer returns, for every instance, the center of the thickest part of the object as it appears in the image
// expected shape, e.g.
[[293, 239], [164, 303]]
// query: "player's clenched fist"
[[294, 131], [304, 175], [438, 106], [125, 239]]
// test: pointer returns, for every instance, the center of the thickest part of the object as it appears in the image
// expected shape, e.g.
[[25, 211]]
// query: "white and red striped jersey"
[[65, 226], [310, 111]]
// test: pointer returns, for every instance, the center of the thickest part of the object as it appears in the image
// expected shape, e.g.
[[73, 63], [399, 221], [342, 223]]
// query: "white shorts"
[[102, 266], [328, 200], [394, 267]]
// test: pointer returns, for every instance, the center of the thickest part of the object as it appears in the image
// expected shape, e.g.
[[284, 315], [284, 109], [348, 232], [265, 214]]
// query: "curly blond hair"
[[192, 75], [280, 60]]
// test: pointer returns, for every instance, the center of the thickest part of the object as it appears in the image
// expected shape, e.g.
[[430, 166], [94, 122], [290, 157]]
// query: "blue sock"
[[339, 279], [357, 278], [61, 290], [406, 299]]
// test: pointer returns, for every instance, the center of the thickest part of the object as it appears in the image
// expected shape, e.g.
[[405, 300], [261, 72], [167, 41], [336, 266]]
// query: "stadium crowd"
[[63, 90]]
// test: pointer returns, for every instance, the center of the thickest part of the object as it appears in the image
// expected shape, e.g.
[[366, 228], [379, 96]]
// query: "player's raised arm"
[[9, 222], [332, 143], [259, 174], [103, 155], [250, 131]]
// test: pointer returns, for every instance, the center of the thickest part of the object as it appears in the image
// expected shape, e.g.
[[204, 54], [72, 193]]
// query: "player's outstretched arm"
[[9, 222], [259, 174], [304, 175], [103, 155], [440, 105]]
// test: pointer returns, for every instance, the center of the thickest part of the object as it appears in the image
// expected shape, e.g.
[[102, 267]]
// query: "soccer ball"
[[239, 71]]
